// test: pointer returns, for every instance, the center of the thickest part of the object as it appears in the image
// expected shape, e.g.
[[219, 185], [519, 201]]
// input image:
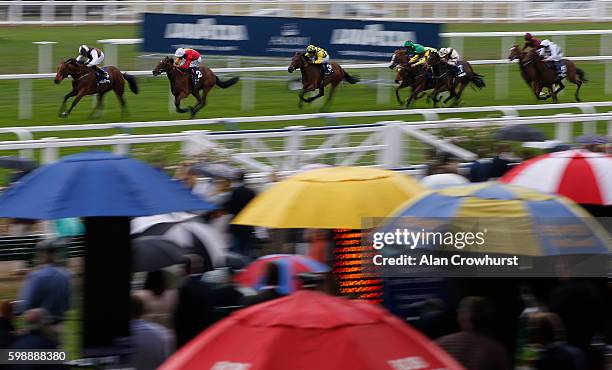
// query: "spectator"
[[224, 292], [37, 335], [241, 236], [479, 170], [473, 349], [152, 342], [501, 162], [194, 309], [556, 354], [48, 286], [159, 300], [268, 291], [7, 329]]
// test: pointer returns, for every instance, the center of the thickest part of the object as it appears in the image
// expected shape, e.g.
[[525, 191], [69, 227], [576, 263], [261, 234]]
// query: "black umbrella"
[[215, 170], [16, 163], [592, 139], [151, 253], [521, 133]]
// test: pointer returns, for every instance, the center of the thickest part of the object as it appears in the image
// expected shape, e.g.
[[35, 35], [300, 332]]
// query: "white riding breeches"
[[195, 63], [96, 61]]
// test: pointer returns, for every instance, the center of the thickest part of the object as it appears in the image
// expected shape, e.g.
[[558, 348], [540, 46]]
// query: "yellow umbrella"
[[327, 198]]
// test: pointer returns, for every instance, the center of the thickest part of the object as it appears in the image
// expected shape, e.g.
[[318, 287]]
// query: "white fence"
[[125, 12], [387, 144]]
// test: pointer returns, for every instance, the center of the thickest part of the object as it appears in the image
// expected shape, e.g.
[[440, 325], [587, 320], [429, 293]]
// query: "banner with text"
[[282, 37]]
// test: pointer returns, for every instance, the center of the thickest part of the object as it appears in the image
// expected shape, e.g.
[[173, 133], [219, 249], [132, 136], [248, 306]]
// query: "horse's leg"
[[76, 100], [415, 91], [202, 100], [177, 102], [330, 96], [320, 94], [99, 104], [66, 97]]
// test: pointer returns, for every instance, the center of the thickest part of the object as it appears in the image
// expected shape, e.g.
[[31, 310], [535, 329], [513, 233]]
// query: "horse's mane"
[[71, 61]]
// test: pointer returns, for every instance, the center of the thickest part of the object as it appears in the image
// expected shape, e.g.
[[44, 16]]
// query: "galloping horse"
[[538, 75], [312, 78], [181, 84], [84, 82], [407, 76], [446, 81]]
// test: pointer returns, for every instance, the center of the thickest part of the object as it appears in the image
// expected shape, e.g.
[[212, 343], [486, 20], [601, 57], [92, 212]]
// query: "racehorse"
[[313, 78], [538, 74], [407, 76], [181, 84], [84, 82], [446, 80]]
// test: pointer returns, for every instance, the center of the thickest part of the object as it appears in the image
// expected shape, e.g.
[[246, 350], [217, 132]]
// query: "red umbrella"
[[580, 175], [310, 330]]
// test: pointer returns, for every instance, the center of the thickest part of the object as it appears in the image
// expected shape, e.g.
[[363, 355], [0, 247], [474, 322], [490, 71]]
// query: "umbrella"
[[290, 266], [199, 238], [215, 170], [311, 330], [517, 220], [519, 133], [145, 224], [442, 180], [17, 163], [96, 184], [581, 175], [592, 139], [152, 253], [326, 198]]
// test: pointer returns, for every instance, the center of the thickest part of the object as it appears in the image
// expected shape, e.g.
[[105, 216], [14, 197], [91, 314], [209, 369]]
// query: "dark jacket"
[[194, 310]]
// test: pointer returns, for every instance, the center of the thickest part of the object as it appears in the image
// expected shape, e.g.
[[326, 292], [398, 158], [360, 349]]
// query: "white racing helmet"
[[83, 48], [443, 52], [179, 53], [545, 43]]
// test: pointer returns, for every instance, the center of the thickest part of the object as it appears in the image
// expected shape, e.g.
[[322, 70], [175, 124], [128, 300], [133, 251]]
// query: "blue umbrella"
[[93, 184], [592, 139]]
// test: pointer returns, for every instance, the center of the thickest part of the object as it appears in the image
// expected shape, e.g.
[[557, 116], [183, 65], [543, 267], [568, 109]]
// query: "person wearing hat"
[[531, 42], [47, 286], [419, 52]]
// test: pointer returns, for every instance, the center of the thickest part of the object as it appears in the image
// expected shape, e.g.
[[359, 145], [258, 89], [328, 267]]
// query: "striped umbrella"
[[581, 175], [517, 220], [289, 265]]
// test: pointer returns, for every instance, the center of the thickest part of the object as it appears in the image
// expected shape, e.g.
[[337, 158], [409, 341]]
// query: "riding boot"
[[101, 75]]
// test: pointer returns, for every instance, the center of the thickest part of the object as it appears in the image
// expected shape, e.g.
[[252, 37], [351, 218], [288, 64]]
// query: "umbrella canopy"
[[581, 175], [94, 184], [326, 198], [150, 253], [215, 170], [311, 330], [592, 139], [289, 266], [519, 133], [143, 224], [17, 163], [517, 220], [443, 179]]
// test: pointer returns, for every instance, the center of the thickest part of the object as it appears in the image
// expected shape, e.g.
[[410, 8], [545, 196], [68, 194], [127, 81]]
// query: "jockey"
[[551, 52], [93, 57], [318, 55], [531, 42], [189, 59], [451, 57], [419, 53]]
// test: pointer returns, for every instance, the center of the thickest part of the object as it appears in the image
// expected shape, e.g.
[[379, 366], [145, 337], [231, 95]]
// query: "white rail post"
[[247, 98], [122, 148], [560, 40], [610, 126], [25, 99], [45, 56], [588, 127], [15, 11], [456, 42], [79, 10], [50, 153], [293, 145], [563, 130], [605, 48], [501, 70], [23, 134], [391, 156], [383, 95], [47, 11]]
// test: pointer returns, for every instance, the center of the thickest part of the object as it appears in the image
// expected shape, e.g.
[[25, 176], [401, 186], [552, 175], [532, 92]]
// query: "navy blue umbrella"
[[93, 184]]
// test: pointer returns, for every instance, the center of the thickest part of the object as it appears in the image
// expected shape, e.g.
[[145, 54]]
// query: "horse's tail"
[[581, 75], [478, 81], [350, 79], [227, 83], [132, 82]]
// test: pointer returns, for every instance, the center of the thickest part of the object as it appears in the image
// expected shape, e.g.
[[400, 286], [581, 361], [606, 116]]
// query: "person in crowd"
[[267, 292], [37, 334], [7, 328], [152, 343], [479, 169], [501, 162], [194, 308], [471, 346], [435, 320], [221, 191], [241, 236], [48, 286], [224, 292], [555, 353], [158, 298]]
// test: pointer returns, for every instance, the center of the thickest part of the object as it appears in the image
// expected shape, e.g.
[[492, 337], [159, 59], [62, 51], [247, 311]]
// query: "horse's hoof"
[[63, 114]]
